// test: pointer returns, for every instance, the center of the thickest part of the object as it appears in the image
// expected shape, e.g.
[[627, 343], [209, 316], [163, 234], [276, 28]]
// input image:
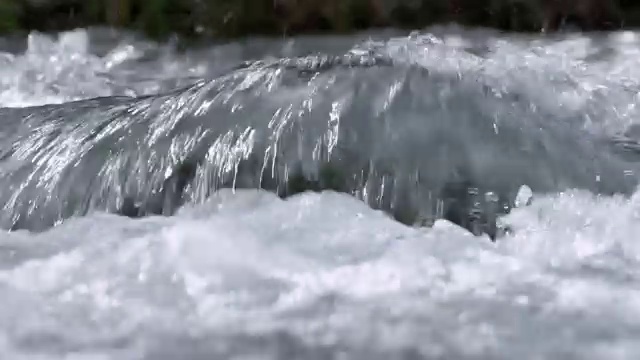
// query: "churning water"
[[207, 266]]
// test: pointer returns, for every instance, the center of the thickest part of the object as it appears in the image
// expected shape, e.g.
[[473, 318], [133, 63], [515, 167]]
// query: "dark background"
[[232, 18]]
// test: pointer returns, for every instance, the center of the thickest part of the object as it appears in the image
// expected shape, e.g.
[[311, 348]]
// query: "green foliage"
[[427, 12], [154, 17], [233, 18], [515, 15], [10, 12], [241, 17]]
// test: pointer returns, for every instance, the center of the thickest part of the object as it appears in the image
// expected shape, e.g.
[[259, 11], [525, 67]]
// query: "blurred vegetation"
[[10, 13], [232, 18]]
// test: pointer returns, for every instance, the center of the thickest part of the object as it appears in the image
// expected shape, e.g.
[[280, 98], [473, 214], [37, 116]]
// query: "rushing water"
[[98, 123]]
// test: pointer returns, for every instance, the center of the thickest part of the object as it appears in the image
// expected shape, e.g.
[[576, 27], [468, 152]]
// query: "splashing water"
[[390, 123]]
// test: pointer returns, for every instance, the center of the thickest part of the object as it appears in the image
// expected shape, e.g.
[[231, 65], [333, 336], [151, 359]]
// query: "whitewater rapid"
[[245, 274]]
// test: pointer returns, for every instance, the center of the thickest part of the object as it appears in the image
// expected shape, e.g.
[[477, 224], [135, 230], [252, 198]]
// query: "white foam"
[[332, 272], [62, 68]]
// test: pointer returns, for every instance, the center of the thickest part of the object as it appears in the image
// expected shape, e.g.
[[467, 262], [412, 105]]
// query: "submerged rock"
[[461, 203]]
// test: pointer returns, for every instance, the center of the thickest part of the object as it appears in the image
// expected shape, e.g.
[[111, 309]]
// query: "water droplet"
[[524, 196]]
